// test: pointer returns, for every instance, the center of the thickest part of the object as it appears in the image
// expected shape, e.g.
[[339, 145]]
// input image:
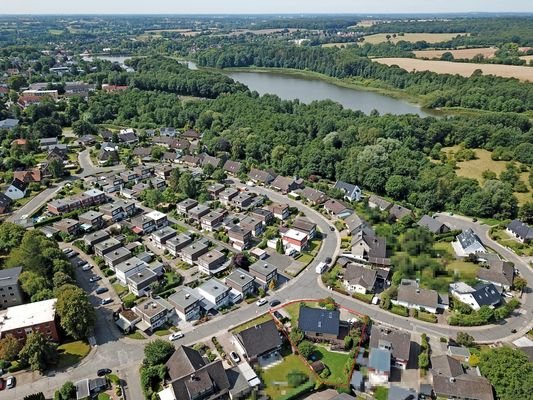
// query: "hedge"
[[296, 393], [427, 317], [399, 310], [366, 298]]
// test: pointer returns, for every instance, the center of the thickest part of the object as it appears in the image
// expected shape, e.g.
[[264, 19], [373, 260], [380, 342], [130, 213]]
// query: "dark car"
[[275, 303], [101, 290], [332, 229], [2, 384], [103, 372], [328, 260]]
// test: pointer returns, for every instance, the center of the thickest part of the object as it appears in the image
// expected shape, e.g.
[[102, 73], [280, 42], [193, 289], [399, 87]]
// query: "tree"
[[219, 175], [423, 360], [296, 336], [151, 377], [473, 360], [16, 82], [60, 279], [32, 282], [279, 247], [272, 284], [519, 283], [464, 339], [38, 353], [174, 179], [56, 168], [82, 128], [68, 391], [9, 348], [348, 343], [509, 371], [187, 185], [241, 261], [10, 236], [306, 348], [157, 352], [526, 213], [76, 313]]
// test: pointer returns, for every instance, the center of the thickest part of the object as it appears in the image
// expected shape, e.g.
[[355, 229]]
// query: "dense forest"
[[437, 90]]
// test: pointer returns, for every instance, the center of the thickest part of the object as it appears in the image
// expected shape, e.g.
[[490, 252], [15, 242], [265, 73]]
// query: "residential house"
[[242, 201], [240, 238], [212, 221], [45, 143], [319, 322], [433, 225], [211, 262], [356, 224], [184, 206], [5, 202], [314, 196], [410, 295], [215, 295], [34, 175], [521, 231], [280, 211], [286, 185], [128, 136], [468, 243], [103, 247], [148, 223], [482, 295], [187, 303], [154, 312], [177, 243], [241, 282], [190, 160], [263, 215], [450, 380], [498, 272], [338, 209], [108, 154], [161, 236], [260, 176], [206, 159], [191, 134], [259, 340], [263, 272], [119, 210], [192, 378], [90, 388], [10, 291], [253, 225], [128, 268], [168, 131], [9, 123], [379, 366], [232, 167], [196, 213], [349, 191], [214, 190], [20, 321], [115, 257], [379, 202], [397, 212], [459, 353], [227, 195], [370, 248], [143, 153], [192, 252], [93, 238], [306, 226], [129, 176], [67, 225], [91, 220], [359, 279], [17, 190], [86, 140], [396, 341], [144, 171], [141, 282], [294, 240], [163, 171]]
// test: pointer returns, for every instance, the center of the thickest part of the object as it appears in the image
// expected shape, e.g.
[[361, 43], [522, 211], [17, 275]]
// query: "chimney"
[[187, 295]]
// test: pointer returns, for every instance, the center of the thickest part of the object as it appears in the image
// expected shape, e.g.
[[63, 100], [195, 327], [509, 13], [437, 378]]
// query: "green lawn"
[[104, 396], [72, 353], [135, 335], [163, 332], [305, 258], [253, 322], [466, 270], [381, 393], [504, 239], [275, 378], [335, 362], [121, 290]]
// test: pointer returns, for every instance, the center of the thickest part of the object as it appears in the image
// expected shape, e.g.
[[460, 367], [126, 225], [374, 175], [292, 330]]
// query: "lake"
[[289, 87]]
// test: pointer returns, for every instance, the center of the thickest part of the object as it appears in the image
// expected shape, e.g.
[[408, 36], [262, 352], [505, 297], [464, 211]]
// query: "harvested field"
[[338, 44], [467, 54], [411, 37], [527, 58], [465, 69]]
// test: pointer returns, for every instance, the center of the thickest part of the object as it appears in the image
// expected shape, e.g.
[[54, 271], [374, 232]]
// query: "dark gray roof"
[[487, 295], [319, 320], [184, 361], [303, 224], [397, 211], [401, 393], [522, 230], [10, 276], [431, 224], [260, 339], [184, 297], [346, 187], [232, 166], [400, 342], [498, 271], [208, 382], [9, 123], [314, 195], [412, 294], [359, 275], [260, 175], [379, 201], [468, 238]]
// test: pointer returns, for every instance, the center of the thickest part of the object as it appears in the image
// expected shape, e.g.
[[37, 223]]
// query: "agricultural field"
[[528, 59], [464, 69], [411, 37], [467, 54], [483, 162], [339, 44]]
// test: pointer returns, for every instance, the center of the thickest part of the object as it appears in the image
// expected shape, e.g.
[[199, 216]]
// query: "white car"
[[67, 250], [86, 267], [176, 336], [235, 357], [261, 302]]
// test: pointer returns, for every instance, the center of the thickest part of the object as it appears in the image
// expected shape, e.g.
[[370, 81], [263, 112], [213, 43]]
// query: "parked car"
[[332, 229], [328, 260], [2, 384], [103, 372], [176, 336], [81, 262], [275, 303], [235, 357], [86, 267], [67, 250], [261, 302], [107, 300], [11, 382], [95, 278], [101, 290]]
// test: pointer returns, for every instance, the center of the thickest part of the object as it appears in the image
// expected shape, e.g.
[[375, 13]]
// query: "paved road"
[[34, 204], [88, 168]]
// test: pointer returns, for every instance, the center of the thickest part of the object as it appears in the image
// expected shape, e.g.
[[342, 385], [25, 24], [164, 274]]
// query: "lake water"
[[289, 87]]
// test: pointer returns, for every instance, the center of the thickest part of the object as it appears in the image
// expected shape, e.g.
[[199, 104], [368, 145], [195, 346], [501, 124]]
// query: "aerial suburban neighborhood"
[[171, 231]]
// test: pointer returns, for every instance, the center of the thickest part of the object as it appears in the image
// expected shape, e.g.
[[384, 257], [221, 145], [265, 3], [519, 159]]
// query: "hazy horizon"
[[272, 7]]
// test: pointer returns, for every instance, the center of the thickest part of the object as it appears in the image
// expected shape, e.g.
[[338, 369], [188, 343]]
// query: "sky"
[[260, 6]]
